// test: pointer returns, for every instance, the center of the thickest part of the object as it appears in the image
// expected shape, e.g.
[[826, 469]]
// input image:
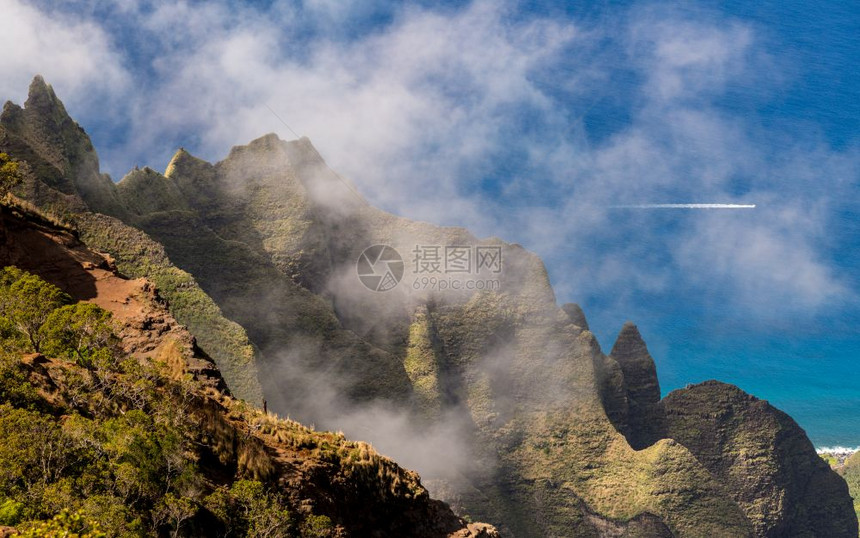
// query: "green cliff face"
[[421, 363], [507, 364], [545, 435], [57, 149]]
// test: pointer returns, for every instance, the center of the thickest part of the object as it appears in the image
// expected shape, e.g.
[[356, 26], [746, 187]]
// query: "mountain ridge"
[[544, 433]]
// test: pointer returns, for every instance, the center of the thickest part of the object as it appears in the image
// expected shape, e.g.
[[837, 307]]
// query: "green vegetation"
[[26, 303], [109, 447], [317, 527], [420, 365], [851, 473], [249, 509], [10, 173], [36, 316], [81, 332], [63, 525], [137, 256], [97, 443]]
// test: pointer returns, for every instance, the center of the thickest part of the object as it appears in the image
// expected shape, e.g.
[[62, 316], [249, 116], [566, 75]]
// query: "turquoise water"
[[808, 371], [806, 363]]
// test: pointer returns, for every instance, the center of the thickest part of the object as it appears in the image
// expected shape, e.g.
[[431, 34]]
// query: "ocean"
[[805, 367], [806, 363]]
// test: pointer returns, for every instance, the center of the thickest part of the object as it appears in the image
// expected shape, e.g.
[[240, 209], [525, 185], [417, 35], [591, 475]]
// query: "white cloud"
[[417, 111], [75, 55], [771, 259], [685, 58]]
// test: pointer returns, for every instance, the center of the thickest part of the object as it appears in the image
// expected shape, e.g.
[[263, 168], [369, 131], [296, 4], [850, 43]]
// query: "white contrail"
[[684, 206]]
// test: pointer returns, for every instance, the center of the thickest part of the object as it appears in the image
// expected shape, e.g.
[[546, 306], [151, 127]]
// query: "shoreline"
[[837, 453]]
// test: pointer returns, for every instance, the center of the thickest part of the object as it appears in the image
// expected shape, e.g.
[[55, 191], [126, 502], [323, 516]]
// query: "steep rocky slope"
[[541, 433], [56, 254], [317, 473]]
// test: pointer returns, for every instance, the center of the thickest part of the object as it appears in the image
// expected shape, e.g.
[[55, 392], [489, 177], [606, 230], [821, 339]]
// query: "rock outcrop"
[[576, 315], [57, 148], [642, 420]]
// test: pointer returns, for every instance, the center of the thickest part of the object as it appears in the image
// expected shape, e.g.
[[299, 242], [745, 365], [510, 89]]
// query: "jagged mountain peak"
[[144, 190], [271, 145], [38, 84], [184, 163], [629, 343], [631, 353], [643, 422], [44, 108], [267, 142], [291, 166], [58, 148], [11, 111], [41, 95], [731, 432], [298, 152]]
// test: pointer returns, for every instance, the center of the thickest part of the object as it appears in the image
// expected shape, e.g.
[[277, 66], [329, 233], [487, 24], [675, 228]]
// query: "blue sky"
[[529, 120]]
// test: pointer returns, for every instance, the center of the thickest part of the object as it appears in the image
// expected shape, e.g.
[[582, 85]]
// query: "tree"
[[81, 331], [34, 451], [15, 388], [11, 512], [10, 173], [26, 301], [316, 526]]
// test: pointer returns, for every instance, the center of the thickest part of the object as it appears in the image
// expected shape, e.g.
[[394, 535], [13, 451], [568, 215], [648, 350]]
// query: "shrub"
[[317, 527], [34, 451], [248, 509], [10, 173], [63, 525], [11, 512]]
